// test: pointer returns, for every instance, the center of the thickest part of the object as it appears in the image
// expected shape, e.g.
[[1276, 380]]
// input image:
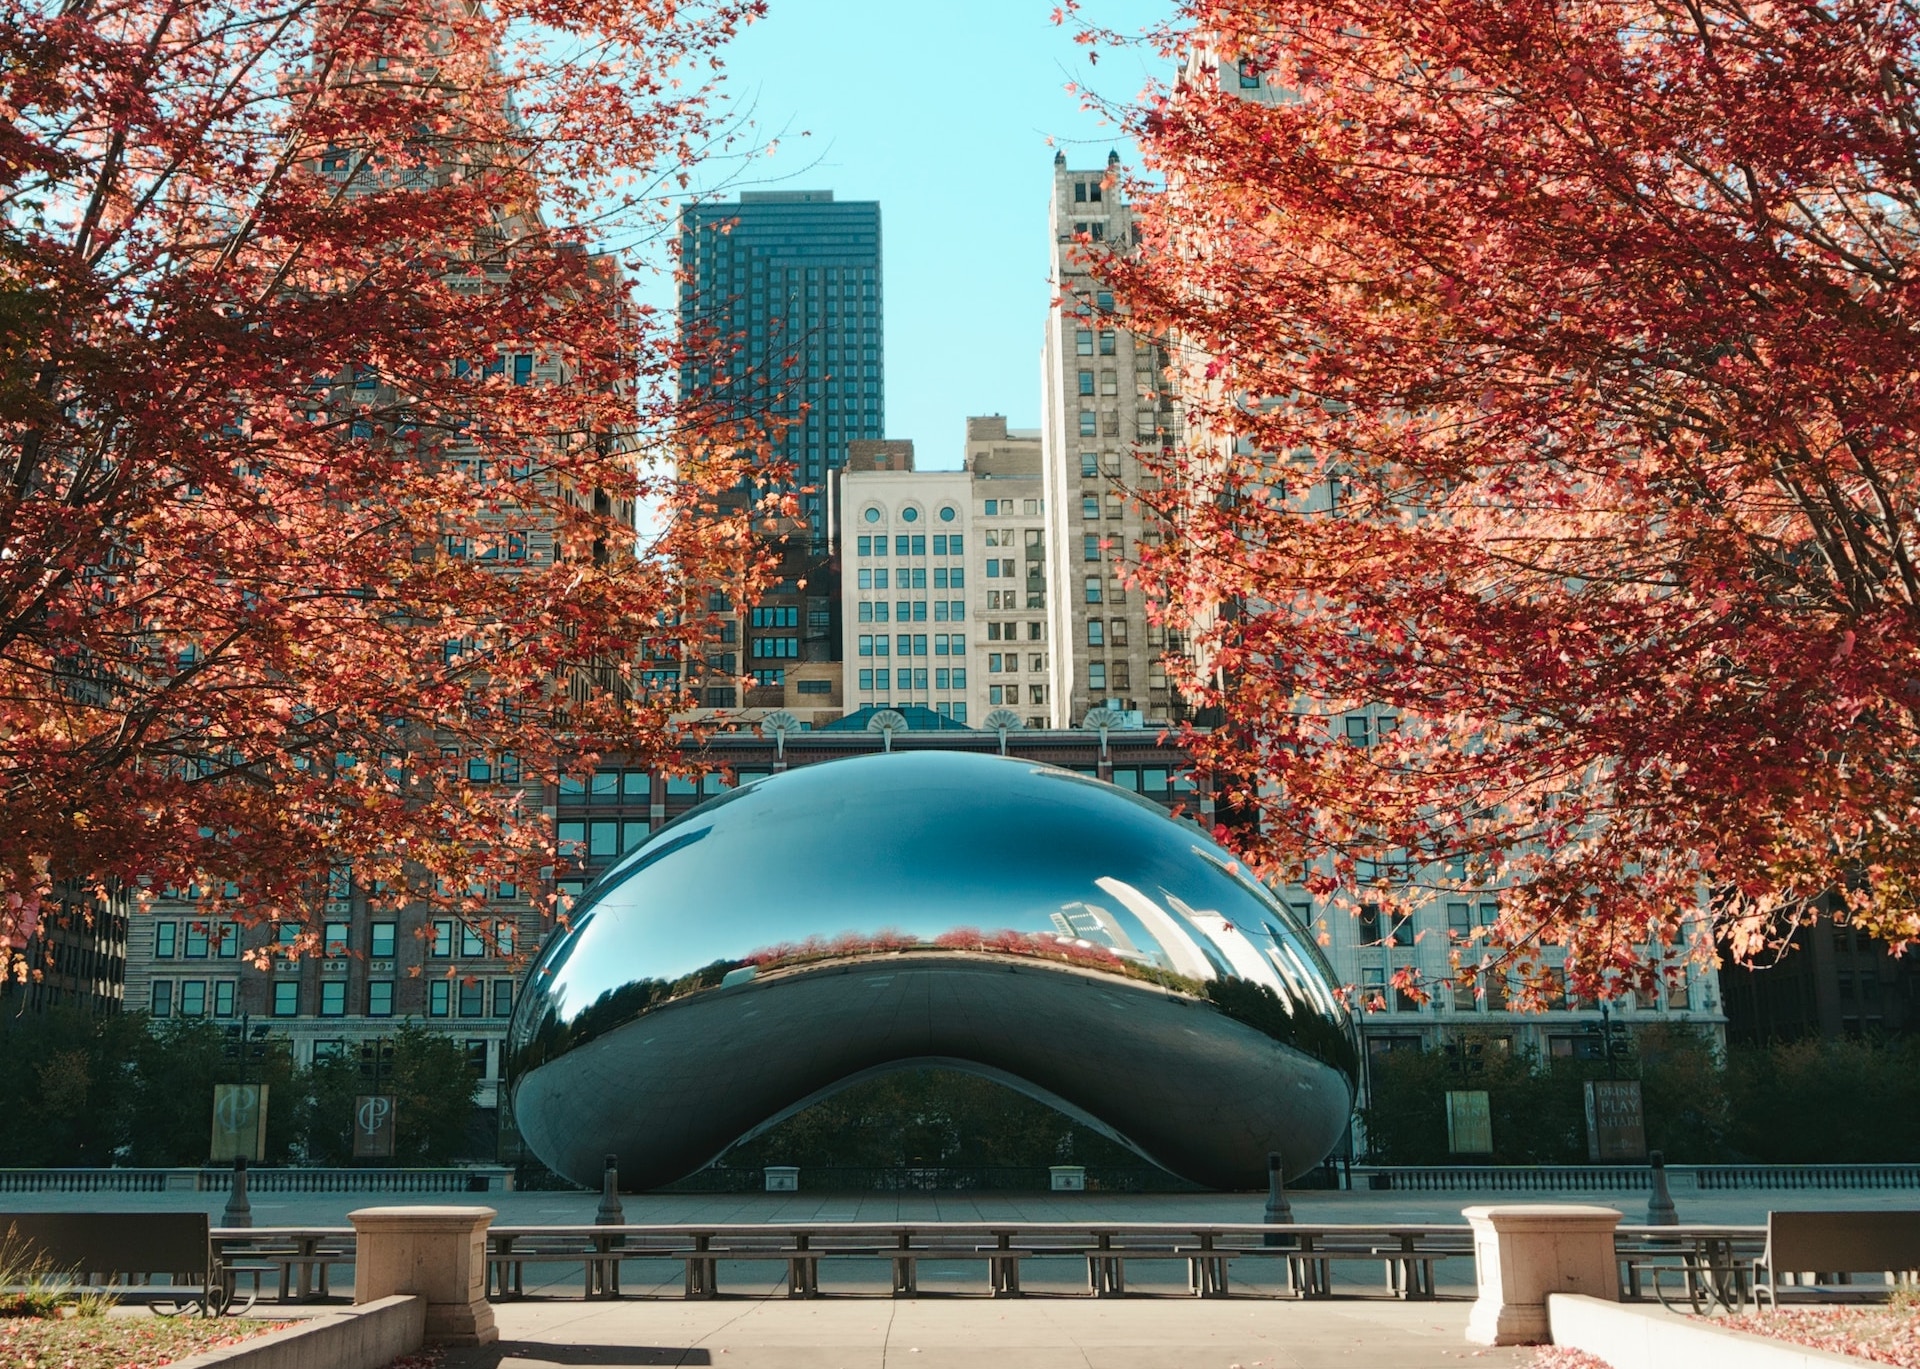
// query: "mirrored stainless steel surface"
[[1028, 923]]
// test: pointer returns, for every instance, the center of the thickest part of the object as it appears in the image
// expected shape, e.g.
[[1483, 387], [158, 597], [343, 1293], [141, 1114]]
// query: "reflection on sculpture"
[[1022, 922]]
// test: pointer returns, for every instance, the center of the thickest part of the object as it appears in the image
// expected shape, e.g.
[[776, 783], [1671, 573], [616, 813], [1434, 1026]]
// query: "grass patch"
[[117, 1342]]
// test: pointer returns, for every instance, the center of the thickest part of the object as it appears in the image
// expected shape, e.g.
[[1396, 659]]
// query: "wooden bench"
[[110, 1250], [1836, 1245]]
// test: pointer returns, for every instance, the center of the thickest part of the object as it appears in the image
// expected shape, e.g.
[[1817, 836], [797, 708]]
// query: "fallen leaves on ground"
[[1884, 1335], [1565, 1357], [117, 1342]]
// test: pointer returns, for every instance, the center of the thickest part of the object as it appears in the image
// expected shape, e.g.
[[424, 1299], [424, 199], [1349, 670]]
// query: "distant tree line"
[[82, 1090], [1809, 1102]]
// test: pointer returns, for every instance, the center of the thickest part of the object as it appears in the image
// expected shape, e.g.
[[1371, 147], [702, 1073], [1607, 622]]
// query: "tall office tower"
[[780, 299], [1104, 398]]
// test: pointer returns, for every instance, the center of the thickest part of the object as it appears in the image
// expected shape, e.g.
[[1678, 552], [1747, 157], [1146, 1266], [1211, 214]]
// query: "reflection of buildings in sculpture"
[[1179, 951], [1091, 922]]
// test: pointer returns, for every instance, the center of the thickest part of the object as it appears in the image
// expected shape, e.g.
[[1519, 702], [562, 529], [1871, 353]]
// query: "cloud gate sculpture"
[[1018, 921]]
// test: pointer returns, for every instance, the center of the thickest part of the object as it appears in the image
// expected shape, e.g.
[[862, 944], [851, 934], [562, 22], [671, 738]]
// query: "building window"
[[1093, 589], [1107, 342], [1122, 675], [473, 999], [223, 992], [333, 998], [381, 944], [196, 941], [1086, 382], [380, 998], [442, 945], [471, 942], [1097, 677], [286, 999], [438, 996], [1089, 464], [1083, 342], [165, 937], [336, 938], [1089, 423], [503, 998], [1249, 72], [1089, 506], [1090, 547], [161, 1004]]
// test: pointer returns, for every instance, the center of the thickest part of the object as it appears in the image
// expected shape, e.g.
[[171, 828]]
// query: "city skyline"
[[963, 182]]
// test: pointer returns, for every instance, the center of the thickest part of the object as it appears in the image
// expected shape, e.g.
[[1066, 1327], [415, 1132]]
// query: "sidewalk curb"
[[1635, 1337], [371, 1336]]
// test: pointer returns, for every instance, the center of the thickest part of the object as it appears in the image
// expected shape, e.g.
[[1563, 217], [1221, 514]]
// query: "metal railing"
[[1628, 1178], [1807, 1176], [476, 1179], [1297, 1260], [937, 1179]]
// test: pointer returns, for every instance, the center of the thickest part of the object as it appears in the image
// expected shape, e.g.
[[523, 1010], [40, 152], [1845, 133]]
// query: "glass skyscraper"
[[784, 286]]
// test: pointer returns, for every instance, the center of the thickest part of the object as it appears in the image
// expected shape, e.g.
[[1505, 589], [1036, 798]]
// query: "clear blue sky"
[[940, 110]]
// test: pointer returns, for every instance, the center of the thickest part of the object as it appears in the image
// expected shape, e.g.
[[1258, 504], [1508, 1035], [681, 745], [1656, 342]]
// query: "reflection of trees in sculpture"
[[1259, 1007], [614, 1008]]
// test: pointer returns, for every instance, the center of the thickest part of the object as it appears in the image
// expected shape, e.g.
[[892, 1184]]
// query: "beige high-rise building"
[[1014, 591], [1104, 401], [944, 581]]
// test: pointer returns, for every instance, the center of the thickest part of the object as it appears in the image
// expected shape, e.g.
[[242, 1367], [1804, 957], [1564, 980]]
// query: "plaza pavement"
[[944, 1333]]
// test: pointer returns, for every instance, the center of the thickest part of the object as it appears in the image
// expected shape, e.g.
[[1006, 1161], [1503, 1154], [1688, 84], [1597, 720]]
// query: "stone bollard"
[[239, 1209], [1279, 1210], [1660, 1208], [439, 1253], [610, 1212], [1524, 1252]]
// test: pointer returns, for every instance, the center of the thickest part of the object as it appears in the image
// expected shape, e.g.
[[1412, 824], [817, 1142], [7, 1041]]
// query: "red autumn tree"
[[325, 414], [1554, 408]]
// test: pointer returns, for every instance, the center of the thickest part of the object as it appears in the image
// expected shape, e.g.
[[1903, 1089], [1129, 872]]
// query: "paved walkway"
[[946, 1333]]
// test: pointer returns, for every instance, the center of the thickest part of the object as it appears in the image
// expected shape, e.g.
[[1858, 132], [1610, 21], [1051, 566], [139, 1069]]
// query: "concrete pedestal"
[[1524, 1252], [438, 1253]]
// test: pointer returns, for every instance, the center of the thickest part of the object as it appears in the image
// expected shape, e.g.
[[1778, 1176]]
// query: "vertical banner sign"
[[373, 1129], [1469, 1122], [239, 1122], [1616, 1126]]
